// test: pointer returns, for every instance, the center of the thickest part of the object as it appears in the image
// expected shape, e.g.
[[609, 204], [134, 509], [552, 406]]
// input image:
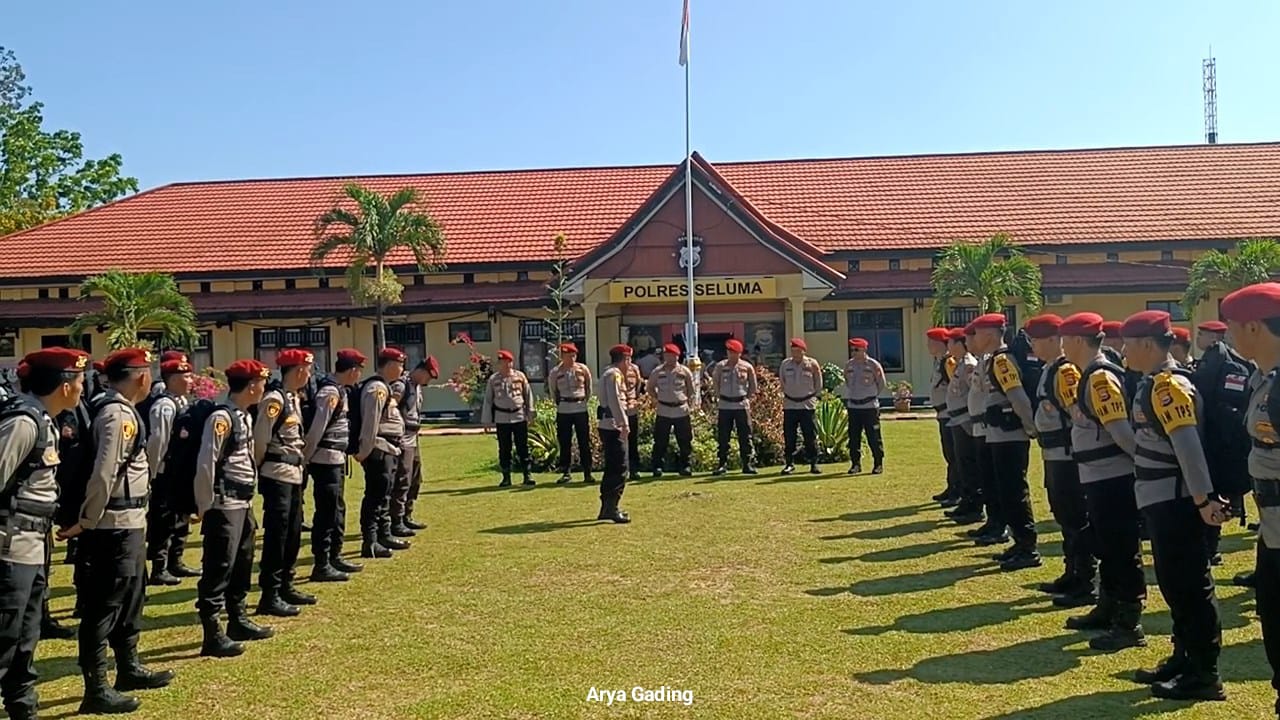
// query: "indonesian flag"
[[684, 36]]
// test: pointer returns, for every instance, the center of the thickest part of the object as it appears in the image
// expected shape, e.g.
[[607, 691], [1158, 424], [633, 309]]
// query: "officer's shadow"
[[960, 619], [541, 526], [909, 583], [1042, 657], [875, 515]]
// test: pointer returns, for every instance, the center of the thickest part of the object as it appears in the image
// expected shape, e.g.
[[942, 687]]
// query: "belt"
[[130, 503], [332, 445], [562, 401], [1101, 453], [505, 410], [664, 403], [958, 413], [1055, 439], [1264, 445], [237, 491], [34, 507], [390, 438], [1266, 492], [1150, 474], [806, 398], [605, 412], [939, 408], [412, 428], [1156, 455], [293, 458], [732, 398], [24, 522]]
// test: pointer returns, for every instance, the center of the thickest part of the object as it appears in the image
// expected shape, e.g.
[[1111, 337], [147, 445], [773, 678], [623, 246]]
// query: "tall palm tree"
[[1254, 261], [368, 234], [135, 302], [990, 271]]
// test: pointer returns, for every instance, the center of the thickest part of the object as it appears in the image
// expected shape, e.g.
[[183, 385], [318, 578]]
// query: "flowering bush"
[[901, 391], [209, 384], [832, 377], [468, 381]]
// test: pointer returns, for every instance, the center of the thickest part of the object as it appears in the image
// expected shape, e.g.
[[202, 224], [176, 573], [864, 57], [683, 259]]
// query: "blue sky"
[[239, 88]]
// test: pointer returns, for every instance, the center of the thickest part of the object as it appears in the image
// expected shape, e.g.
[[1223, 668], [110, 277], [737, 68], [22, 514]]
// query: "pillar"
[[589, 310], [795, 319]]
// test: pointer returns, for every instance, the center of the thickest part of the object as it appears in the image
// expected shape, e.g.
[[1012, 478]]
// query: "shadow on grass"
[[911, 552], [958, 619], [902, 584], [873, 515], [541, 527], [1043, 657], [897, 531], [1121, 705]]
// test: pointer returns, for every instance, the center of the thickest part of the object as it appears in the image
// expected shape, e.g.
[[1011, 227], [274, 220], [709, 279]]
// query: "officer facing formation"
[[1180, 350], [944, 366], [50, 383], [167, 527], [508, 405], [570, 387], [801, 378], [614, 427], [633, 383], [864, 382], [378, 452], [671, 385], [408, 389], [736, 384]]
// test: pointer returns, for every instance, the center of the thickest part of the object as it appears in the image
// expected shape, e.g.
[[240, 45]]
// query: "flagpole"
[[691, 327]]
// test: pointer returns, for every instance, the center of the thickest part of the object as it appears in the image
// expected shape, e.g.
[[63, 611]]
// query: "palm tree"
[[1254, 261], [368, 234], [135, 302], [990, 271]]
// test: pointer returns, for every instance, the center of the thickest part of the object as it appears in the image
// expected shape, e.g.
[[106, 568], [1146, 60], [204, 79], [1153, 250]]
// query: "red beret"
[[672, 348], [970, 330], [247, 370], [353, 356], [733, 344], [1182, 335], [431, 365], [990, 321], [568, 348], [1214, 326], [1148, 323], [505, 355], [859, 343], [169, 355], [57, 358], [956, 333], [938, 334], [293, 357], [799, 343], [390, 354], [175, 367], [1082, 324], [1111, 328], [622, 348], [1043, 326], [1252, 303], [128, 358], [99, 366]]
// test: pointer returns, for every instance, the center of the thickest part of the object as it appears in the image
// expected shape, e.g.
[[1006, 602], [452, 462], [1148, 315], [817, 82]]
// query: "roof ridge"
[[409, 176]]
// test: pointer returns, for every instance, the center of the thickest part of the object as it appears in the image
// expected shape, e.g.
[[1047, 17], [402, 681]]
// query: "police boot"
[[564, 478], [272, 604], [1063, 582], [686, 471], [160, 574], [1168, 669], [722, 470], [1125, 630], [294, 596], [506, 479], [131, 674], [609, 510], [788, 468], [814, 469], [855, 468], [528, 479], [51, 629], [240, 628], [23, 712], [386, 540], [412, 524], [878, 468], [587, 477], [325, 572], [179, 570], [371, 548], [102, 699], [748, 468], [342, 565], [1098, 618], [1193, 684], [216, 643], [400, 530], [1082, 590]]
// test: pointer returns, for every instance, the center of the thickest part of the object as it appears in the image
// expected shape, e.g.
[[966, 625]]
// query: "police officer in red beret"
[[408, 390], [671, 385], [801, 378], [864, 381], [735, 382], [508, 407], [614, 428], [943, 366], [167, 529], [381, 434], [570, 385]]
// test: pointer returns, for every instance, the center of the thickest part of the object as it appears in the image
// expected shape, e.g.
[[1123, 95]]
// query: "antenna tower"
[[1210, 100]]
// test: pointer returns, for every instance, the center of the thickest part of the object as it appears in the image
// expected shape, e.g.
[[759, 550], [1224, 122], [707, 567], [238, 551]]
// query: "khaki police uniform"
[[508, 405], [278, 450], [409, 470], [801, 387], [382, 432], [736, 384], [167, 529], [226, 478], [325, 451], [864, 382], [960, 424], [944, 368], [1008, 422], [613, 421], [633, 384], [570, 388], [976, 401], [672, 389]]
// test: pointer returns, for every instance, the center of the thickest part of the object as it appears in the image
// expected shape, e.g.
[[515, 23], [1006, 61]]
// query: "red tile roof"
[[1202, 192], [1131, 276]]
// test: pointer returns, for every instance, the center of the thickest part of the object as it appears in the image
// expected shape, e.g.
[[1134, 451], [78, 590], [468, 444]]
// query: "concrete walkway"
[[444, 430]]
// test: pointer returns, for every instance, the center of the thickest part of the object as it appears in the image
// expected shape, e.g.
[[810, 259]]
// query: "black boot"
[[179, 570], [386, 540], [102, 699], [51, 629], [565, 477], [722, 470], [240, 628], [400, 530], [686, 471], [814, 469], [1125, 630], [855, 468], [609, 510], [216, 643], [1098, 618], [1168, 669], [528, 479], [506, 479], [324, 572], [160, 574], [344, 566], [294, 596], [1244, 579], [272, 604], [748, 468], [1061, 583], [878, 468], [788, 468], [371, 549], [1191, 686], [131, 674], [588, 478], [412, 524], [1021, 558]]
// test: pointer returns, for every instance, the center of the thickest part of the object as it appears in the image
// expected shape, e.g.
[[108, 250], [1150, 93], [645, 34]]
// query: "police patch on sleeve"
[[1006, 372], [220, 427], [1173, 404], [1068, 384], [128, 429], [1106, 398], [273, 410], [380, 394], [333, 401]]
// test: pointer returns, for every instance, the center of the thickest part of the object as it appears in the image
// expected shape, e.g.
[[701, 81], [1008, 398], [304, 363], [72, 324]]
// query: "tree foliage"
[[366, 235], [1254, 261], [990, 271], [133, 303], [560, 305]]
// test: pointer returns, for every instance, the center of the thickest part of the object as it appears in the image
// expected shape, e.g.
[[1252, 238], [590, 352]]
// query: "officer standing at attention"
[[226, 476], [1113, 347], [277, 450], [325, 451], [1181, 348], [801, 378], [960, 424], [994, 531], [633, 383], [570, 387], [614, 429], [167, 529], [51, 382], [863, 383], [407, 389], [735, 382], [381, 432], [943, 368], [671, 387], [1253, 316], [113, 520], [1010, 426], [508, 405], [1176, 497], [75, 462]]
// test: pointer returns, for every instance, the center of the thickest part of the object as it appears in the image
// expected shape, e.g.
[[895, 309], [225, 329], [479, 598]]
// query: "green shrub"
[[832, 424], [832, 377]]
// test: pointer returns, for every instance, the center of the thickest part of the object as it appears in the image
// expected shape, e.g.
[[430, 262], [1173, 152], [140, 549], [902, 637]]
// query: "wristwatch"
[[1205, 504]]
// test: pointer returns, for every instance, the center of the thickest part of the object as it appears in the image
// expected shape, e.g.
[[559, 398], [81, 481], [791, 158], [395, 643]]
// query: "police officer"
[[960, 423], [994, 531], [1055, 393], [113, 520], [325, 450], [570, 386], [75, 464], [50, 383], [943, 368], [226, 476], [633, 383], [864, 381], [407, 389], [167, 529], [671, 385], [381, 433], [801, 378], [1009, 426], [735, 382], [168, 356], [1253, 316], [1181, 348], [278, 447], [1113, 348], [614, 428], [508, 405], [426, 371]]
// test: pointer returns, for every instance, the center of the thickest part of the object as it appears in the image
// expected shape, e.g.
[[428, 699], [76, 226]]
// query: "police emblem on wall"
[[682, 252]]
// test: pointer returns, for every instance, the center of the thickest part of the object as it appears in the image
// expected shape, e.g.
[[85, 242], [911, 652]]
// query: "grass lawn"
[[767, 597]]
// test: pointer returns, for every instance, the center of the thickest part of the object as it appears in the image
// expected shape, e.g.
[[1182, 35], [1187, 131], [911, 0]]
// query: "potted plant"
[[469, 380], [901, 395]]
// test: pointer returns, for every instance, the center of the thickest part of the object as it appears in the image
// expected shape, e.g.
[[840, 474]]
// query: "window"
[[419, 279], [855, 265], [477, 331], [1053, 298], [290, 284], [324, 283], [883, 332], [1113, 257], [202, 354], [538, 349], [267, 341], [257, 285], [8, 345], [206, 287], [895, 264], [522, 275], [961, 316], [43, 293], [64, 293], [468, 278], [409, 337], [48, 341], [819, 320], [1060, 259], [1173, 307], [1166, 255], [933, 262]]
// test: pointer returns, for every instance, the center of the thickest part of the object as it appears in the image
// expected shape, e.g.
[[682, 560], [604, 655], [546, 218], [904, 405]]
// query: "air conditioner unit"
[[1057, 299]]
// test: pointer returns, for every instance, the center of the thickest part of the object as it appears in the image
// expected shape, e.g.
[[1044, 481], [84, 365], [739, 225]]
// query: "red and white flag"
[[684, 36]]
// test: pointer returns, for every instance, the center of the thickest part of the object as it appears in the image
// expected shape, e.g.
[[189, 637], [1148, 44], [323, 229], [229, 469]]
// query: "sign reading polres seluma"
[[660, 289]]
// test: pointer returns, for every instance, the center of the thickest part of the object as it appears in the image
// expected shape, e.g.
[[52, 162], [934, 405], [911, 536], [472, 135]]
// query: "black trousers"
[[329, 525], [167, 533], [733, 421], [114, 581], [614, 479], [406, 467], [987, 481], [1009, 464], [1267, 579], [379, 475], [947, 439], [1113, 516], [513, 434], [1182, 571], [569, 425], [633, 445], [802, 420], [415, 481], [281, 533], [662, 428], [227, 564], [965, 460], [1067, 503], [865, 420], [22, 591]]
